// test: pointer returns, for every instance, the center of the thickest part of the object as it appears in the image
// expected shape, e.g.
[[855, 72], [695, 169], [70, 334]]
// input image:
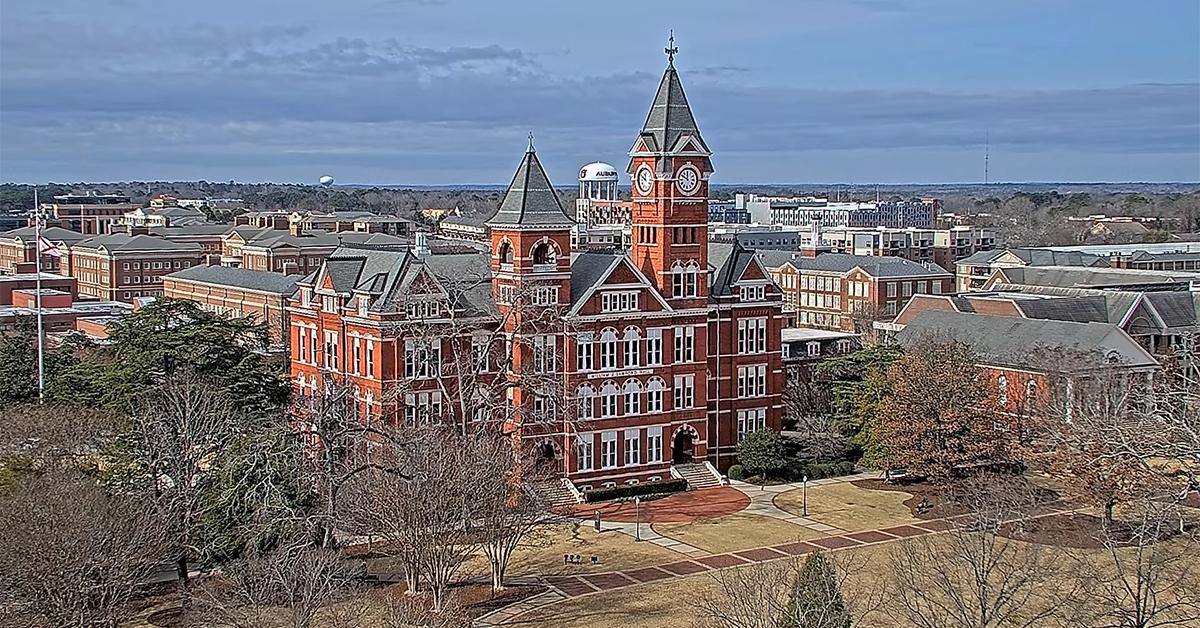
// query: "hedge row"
[[796, 471], [633, 490]]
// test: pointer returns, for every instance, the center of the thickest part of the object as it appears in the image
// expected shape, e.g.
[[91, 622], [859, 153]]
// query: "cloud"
[[269, 99]]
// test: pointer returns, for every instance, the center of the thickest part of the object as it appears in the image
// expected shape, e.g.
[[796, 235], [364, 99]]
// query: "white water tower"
[[598, 182]]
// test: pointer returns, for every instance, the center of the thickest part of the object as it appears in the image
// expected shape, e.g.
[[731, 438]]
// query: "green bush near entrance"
[[656, 487]]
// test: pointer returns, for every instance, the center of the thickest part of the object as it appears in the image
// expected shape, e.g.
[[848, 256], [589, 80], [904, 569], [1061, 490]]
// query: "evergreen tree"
[[762, 452], [816, 600]]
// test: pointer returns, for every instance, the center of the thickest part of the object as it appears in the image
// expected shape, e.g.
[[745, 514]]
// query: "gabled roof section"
[[530, 200], [1025, 343], [590, 271]]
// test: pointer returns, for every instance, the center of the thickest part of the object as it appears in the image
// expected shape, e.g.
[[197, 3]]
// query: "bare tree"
[[1112, 434], [297, 580], [975, 577], [1146, 576], [73, 553], [181, 430], [509, 507]]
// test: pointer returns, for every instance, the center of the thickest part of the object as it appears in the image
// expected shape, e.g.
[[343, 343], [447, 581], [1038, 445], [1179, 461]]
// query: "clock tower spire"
[[670, 165]]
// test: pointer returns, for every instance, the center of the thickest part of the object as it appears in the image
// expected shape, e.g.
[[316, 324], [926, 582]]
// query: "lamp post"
[[805, 496], [637, 513]]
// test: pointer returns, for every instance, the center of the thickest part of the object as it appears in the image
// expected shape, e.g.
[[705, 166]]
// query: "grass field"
[[735, 532], [849, 507]]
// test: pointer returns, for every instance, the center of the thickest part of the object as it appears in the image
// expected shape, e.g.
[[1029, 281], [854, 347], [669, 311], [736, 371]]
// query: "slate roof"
[[729, 270], [123, 242], [387, 274], [53, 234], [1025, 342], [259, 280], [530, 200], [669, 120], [588, 269], [1082, 309], [1178, 310], [1036, 257], [1084, 277]]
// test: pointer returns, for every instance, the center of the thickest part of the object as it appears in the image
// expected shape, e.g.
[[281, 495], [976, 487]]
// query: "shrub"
[[820, 470], [762, 452], [737, 472], [634, 490]]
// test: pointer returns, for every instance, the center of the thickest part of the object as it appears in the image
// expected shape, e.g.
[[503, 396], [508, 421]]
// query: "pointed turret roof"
[[670, 126], [530, 200]]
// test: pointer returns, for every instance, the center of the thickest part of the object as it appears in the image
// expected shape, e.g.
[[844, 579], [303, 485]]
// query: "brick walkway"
[[563, 588]]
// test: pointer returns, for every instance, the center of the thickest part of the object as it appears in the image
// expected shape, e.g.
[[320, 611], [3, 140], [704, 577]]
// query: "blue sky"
[[444, 91]]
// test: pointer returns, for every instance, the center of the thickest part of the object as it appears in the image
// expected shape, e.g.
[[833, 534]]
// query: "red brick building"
[[237, 292], [619, 367], [846, 292], [121, 267], [89, 214], [18, 249]]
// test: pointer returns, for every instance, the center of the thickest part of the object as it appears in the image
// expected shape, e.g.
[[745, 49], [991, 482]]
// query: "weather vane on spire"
[[671, 48], [530, 149]]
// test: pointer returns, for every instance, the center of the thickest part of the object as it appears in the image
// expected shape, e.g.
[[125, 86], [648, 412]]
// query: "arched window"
[[608, 400], [654, 395], [691, 278], [608, 349], [677, 280], [585, 396], [506, 254], [633, 397], [1031, 393], [544, 256], [1002, 390], [632, 336]]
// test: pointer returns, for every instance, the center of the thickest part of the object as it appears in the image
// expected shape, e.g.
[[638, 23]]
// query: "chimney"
[[421, 245], [133, 230], [296, 229]]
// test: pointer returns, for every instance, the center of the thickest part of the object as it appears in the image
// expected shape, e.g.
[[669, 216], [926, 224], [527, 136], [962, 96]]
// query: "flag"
[[46, 248]]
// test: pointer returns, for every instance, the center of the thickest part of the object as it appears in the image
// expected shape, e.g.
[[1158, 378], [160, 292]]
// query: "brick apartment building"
[[18, 249], [89, 214], [974, 271], [666, 354], [121, 267], [846, 292], [237, 292]]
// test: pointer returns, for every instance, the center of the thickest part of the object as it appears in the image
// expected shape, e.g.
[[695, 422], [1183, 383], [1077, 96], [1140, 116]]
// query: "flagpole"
[[41, 348]]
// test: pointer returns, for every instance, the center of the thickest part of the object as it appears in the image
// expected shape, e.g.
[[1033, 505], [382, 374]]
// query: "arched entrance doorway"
[[683, 446], [545, 458]]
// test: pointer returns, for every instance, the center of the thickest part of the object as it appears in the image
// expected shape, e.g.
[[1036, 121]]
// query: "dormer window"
[[305, 295], [363, 303], [423, 309], [544, 258], [754, 293], [329, 303]]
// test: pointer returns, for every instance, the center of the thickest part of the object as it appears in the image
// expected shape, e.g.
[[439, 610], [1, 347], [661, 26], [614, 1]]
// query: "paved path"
[[563, 588]]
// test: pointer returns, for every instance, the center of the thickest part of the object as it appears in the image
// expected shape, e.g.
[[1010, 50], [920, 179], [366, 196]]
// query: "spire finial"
[[671, 48], [530, 149]]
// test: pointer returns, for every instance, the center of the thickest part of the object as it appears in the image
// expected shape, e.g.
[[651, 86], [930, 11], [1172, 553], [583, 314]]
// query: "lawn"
[[735, 532], [849, 507], [543, 555]]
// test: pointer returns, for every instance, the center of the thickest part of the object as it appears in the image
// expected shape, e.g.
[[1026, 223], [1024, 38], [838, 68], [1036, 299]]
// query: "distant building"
[[61, 310], [727, 212], [1090, 277], [237, 292], [89, 214], [848, 292], [804, 211], [940, 246], [18, 249], [464, 228], [121, 267], [212, 203], [170, 216], [974, 271], [602, 218], [1031, 361]]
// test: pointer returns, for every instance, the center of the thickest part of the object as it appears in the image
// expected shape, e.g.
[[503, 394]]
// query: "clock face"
[[645, 180], [687, 179]]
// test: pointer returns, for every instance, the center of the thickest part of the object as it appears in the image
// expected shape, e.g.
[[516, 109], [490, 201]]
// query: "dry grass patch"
[[665, 604], [542, 555], [735, 532], [849, 507]]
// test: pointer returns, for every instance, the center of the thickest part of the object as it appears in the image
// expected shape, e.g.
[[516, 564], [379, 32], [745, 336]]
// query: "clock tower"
[[670, 165]]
